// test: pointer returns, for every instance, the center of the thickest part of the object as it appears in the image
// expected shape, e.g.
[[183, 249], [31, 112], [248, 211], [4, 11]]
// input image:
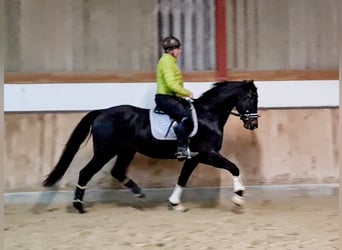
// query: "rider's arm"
[[173, 79]]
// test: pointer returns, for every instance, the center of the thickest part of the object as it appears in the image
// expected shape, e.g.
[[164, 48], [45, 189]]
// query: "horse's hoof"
[[140, 196], [178, 207], [238, 199], [79, 207]]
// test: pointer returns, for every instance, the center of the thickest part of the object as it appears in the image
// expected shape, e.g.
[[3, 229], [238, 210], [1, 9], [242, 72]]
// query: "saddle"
[[162, 125]]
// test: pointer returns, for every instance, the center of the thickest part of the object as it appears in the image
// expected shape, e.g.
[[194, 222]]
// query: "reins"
[[236, 114]]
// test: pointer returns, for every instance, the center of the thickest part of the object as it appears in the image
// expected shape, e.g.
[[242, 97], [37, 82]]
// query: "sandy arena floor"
[[305, 223]]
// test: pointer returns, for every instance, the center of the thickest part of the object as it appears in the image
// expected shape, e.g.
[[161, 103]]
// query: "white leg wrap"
[[238, 186], [78, 200], [176, 195]]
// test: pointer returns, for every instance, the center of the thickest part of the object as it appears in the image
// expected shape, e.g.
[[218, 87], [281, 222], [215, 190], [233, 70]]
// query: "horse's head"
[[247, 106]]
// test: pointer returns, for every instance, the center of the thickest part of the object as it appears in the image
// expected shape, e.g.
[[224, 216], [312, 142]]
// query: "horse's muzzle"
[[251, 124]]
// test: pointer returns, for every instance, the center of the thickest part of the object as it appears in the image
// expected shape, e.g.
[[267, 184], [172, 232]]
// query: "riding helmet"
[[170, 43]]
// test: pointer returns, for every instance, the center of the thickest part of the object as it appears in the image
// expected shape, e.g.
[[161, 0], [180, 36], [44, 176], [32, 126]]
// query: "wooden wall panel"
[[290, 146], [203, 76]]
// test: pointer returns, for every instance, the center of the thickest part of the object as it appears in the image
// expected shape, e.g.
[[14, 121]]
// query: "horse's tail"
[[77, 137]]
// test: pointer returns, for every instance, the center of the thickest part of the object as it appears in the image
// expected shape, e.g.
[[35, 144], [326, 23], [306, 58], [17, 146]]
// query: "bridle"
[[247, 116]]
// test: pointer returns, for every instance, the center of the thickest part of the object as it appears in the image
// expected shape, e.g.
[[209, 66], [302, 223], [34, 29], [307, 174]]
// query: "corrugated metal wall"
[[109, 35], [193, 22], [286, 34], [81, 35]]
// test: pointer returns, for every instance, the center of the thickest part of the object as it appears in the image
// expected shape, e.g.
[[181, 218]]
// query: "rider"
[[171, 94]]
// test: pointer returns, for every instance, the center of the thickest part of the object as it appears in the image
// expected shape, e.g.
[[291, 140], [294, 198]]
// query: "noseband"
[[246, 117]]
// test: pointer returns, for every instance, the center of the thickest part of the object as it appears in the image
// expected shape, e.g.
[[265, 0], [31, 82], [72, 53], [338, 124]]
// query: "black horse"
[[124, 130]]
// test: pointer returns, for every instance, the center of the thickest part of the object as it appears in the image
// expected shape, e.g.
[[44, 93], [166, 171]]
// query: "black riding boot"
[[183, 150]]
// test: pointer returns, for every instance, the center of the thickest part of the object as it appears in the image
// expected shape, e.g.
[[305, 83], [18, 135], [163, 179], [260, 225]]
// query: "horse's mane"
[[228, 87]]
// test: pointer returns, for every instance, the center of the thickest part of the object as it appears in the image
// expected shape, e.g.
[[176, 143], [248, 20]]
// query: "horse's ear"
[[249, 81]]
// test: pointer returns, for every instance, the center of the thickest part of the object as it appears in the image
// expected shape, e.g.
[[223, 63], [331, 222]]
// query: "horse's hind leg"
[[124, 158], [93, 166]]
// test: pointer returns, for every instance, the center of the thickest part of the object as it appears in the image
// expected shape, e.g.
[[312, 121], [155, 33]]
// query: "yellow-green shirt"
[[169, 77]]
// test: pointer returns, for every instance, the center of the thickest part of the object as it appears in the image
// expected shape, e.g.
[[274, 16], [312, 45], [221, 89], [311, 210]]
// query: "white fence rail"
[[85, 97]]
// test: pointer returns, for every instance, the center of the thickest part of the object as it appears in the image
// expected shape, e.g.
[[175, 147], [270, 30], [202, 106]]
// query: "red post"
[[221, 40]]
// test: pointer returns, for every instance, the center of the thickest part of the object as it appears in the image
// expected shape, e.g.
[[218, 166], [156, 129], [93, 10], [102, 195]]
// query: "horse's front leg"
[[176, 196], [216, 160]]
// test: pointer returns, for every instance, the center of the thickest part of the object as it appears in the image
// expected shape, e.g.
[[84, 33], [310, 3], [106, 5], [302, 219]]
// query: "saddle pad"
[[160, 123]]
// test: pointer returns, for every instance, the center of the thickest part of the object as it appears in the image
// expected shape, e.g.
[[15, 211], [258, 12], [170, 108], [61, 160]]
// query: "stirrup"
[[185, 154]]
